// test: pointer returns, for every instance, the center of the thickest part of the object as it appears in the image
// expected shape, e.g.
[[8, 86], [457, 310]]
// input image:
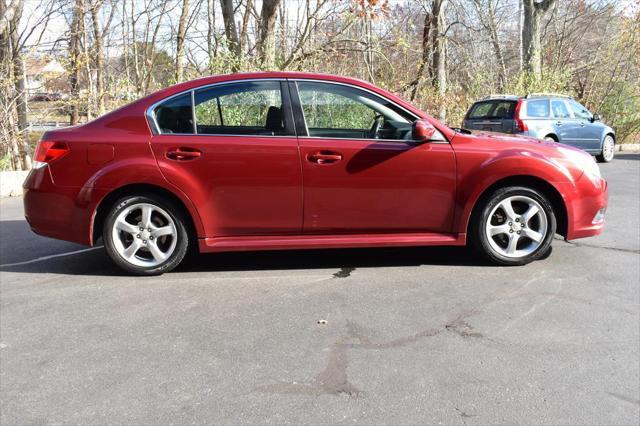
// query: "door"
[[561, 120], [361, 170], [585, 133], [235, 155]]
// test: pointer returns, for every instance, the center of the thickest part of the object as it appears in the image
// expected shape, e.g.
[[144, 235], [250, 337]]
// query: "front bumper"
[[587, 207]]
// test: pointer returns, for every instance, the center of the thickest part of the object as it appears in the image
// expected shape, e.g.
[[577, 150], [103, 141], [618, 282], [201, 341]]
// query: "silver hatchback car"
[[544, 116]]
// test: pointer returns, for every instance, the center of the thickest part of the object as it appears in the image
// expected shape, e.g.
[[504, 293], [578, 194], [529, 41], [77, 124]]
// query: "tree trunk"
[[99, 57], [266, 40], [230, 29], [22, 130], [182, 33], [531, 44], [488, 21], [426, 55], [75, 53], [439, 53], [8, 12], [211, 29], [245, 25]]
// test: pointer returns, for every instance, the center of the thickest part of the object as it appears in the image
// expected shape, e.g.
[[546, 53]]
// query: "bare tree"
[[228, 16], [266, 38], [75, 58], [487, 17], [180, 40], [533, 11], [439, 25]]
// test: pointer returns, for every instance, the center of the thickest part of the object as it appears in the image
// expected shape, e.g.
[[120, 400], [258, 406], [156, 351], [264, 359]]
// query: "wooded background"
[[440, 54]]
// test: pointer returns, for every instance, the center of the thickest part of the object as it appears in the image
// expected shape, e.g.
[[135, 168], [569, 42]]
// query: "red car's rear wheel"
[[145, 234]]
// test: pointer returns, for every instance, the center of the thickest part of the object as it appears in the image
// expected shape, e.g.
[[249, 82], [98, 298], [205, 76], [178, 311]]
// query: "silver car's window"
[[579, 111], [559, 109], [538, 108]]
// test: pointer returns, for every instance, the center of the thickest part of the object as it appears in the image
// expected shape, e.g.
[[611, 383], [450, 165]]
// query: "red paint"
[[250, 193]]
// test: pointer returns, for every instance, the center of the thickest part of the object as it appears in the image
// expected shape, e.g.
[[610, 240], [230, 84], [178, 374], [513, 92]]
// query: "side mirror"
[[595, 117], [422, 130]]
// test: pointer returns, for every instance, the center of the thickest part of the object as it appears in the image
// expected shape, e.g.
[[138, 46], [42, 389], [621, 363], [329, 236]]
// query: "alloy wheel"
[[516, 227], [144, 235], [608, 148]]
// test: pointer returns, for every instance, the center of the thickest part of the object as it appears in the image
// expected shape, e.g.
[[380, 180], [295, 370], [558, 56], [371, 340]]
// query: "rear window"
[[538, 108], [493, 109]]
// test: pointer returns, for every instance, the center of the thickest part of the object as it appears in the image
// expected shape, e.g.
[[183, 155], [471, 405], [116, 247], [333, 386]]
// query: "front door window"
[[338, 111]]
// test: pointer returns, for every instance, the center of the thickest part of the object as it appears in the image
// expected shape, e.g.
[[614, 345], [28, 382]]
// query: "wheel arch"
[[552, 136], [541, 185], [135, 189]]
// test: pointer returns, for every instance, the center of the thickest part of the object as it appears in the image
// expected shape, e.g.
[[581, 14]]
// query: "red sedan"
[[284, 160]]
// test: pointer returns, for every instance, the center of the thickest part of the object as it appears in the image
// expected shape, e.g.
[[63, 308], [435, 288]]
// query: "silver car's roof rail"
[[542, 95], [497, 96]]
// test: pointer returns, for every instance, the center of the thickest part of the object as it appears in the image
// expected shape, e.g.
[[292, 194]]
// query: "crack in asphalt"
[[573, 243], [334, 380]]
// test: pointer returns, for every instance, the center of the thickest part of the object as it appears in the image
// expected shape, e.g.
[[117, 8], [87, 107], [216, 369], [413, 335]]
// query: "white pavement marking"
[[52, 256]]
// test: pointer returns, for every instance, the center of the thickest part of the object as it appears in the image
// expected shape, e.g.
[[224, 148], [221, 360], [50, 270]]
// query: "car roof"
[[497, 97]]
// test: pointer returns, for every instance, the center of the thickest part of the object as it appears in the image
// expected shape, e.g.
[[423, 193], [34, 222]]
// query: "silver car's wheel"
[[516, 227], [608, 149], [144, 235]]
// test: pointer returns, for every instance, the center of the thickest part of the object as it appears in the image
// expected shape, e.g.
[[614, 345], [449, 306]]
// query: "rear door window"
[[492, 110], [247, 108], [538, 108], [559, 109]]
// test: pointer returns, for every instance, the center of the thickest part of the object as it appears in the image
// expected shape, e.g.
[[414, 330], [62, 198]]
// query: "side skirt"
[[291, 242]]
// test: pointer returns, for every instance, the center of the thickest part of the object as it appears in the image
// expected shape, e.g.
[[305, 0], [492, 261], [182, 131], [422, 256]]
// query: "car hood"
[[572, 160], [502, 137]]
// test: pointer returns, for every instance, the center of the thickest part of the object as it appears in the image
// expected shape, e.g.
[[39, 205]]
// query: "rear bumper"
[[586, 213], [64, 213]]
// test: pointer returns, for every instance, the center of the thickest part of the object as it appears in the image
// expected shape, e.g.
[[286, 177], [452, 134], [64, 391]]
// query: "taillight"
[[520, 124], [48, 151]]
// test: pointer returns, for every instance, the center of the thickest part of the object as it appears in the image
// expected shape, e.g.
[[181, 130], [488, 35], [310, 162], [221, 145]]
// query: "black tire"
[[607, 157], [479, 236], [183, 236]]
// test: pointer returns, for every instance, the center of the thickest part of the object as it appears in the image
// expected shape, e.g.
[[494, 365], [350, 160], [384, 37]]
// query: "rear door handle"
[[183, 153], [558, 123], [324, 157]]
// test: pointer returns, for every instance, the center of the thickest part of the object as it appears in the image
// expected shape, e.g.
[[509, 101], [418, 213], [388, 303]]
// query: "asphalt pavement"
[[367, 336]]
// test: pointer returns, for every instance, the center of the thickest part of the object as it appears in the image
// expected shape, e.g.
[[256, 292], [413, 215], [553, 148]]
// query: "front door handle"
[[183, 153], [558, 123], [324, 157]]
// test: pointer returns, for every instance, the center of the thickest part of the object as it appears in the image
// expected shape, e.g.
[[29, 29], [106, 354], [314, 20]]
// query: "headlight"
[[583, 161]]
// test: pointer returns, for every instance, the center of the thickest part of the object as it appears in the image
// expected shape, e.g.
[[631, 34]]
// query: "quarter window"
[[174, 115], [538, 108], [247, 108], [333, 110]]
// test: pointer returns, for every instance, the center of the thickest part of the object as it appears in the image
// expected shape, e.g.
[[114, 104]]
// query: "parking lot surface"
[[395, 336]]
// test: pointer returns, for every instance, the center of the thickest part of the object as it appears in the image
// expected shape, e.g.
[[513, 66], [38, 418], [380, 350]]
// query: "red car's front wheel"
[[515, 226], [145, 234]]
